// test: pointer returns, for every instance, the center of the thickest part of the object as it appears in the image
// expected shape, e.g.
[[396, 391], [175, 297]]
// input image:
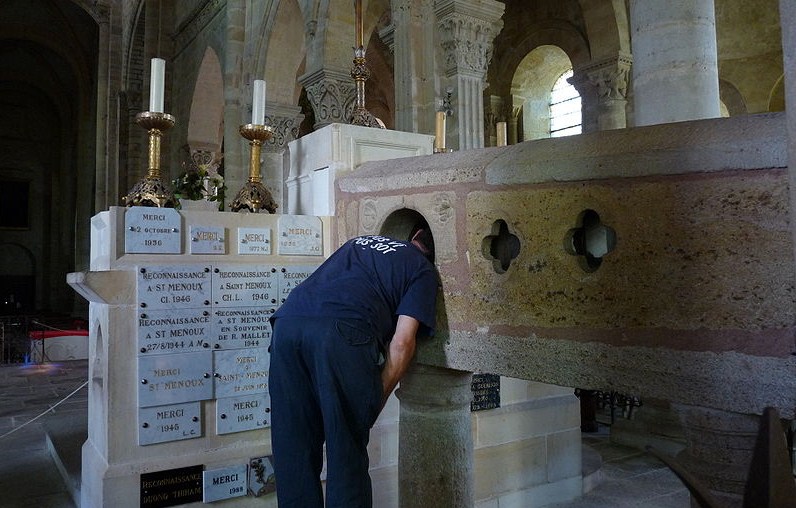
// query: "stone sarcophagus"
[[656, 261]]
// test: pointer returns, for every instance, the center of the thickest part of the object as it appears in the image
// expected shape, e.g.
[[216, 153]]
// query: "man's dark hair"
[[421, 233]]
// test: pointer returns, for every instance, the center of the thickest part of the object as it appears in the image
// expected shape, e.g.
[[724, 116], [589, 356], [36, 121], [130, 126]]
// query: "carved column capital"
[[610, 76], [332, 95], [285, 120], [603, 87], [467, 31]]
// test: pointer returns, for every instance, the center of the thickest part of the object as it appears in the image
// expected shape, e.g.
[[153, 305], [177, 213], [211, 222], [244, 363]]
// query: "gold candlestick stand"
[[361, 73], [150, 191], [254, 196]]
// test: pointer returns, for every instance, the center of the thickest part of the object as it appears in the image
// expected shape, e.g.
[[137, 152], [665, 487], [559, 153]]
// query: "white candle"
[[501, 134], [258, 102], [157, 78], [439, 139]]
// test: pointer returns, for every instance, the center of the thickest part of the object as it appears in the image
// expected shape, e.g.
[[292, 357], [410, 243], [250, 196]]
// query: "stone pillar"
[[675, 65], [514, 118], [495, 112], [467, 31], [719, 446], [236, 153], [332, 94], [285, 121], [435, 443], [787, 11], [603, 91], [414, 50]]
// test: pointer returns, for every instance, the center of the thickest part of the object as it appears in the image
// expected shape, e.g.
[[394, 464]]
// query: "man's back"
[[373, 278]]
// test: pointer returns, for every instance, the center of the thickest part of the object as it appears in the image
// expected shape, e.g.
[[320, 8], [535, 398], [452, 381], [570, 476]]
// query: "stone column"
[[435, 443], [236, 153], [514, 118], [787, 11], [332, 94], [719, 446], [414, 50], [495, 112], [603, 91], [467, 31], [675, 65], [285, 120]]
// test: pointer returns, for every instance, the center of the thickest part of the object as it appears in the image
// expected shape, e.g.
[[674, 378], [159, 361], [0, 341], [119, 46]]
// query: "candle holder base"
[[150, 191], [253, 197], [365, 118]]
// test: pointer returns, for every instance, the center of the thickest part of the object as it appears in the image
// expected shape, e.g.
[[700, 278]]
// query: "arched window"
[[565, 115]]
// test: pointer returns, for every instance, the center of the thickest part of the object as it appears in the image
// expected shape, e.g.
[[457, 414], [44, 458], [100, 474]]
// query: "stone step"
[[65, 436], [592, 468]]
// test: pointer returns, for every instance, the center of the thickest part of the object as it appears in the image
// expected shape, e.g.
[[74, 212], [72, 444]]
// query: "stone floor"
[[29, 477]]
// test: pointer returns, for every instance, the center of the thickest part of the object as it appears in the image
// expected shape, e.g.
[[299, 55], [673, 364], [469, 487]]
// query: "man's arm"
[[402, 349]]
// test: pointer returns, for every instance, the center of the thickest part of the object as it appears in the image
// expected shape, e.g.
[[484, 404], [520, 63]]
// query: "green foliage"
[[196, 184]]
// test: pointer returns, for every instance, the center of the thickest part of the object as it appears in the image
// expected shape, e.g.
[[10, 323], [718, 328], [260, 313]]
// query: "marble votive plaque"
[[150, 230], [171, 487], [173, 287], [208, 240], [174, 378], [254, 241], [292, 276], [241, 327], [224, 483], [238, 414], [174, 422], [174, 331], [240, 371], [244, 285], [300, 235]]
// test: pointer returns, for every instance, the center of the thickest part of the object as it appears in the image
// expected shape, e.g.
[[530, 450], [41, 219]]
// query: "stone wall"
[[692, 303]]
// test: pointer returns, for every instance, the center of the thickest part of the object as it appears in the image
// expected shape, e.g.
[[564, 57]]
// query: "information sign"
[[208, 240], [254, 241], [486, 392], [300, 235], [174, 378], [241, 327], [236, 414], [174, 331], [240, 371], [152, 230], [224, 483], [173, 287], [169, 423]]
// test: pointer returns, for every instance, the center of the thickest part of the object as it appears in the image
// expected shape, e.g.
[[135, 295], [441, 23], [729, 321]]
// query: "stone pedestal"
[[435, 439], [318, 158], [719, 449], [118, 452]]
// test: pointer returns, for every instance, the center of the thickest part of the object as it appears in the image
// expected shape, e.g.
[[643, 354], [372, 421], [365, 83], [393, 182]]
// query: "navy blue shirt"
[[373, 278]]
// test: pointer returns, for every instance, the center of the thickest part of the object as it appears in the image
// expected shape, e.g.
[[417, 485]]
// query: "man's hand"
[[402, 350]]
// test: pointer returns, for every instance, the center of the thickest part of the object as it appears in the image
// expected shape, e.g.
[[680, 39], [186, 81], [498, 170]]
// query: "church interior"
[[607, 182]]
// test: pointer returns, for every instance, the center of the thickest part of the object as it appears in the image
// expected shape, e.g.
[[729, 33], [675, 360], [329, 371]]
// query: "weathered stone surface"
[[695, 303]]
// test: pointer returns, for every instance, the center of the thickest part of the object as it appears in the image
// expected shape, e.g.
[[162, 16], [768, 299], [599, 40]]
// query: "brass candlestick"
[[361, 73], [254, 196], [150, 191]]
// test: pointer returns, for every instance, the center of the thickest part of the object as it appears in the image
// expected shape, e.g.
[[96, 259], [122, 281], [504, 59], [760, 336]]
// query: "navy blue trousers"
[[325, 385]]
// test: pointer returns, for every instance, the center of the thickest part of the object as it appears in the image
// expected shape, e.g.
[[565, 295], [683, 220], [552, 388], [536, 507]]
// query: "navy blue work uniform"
[[326, 354]]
